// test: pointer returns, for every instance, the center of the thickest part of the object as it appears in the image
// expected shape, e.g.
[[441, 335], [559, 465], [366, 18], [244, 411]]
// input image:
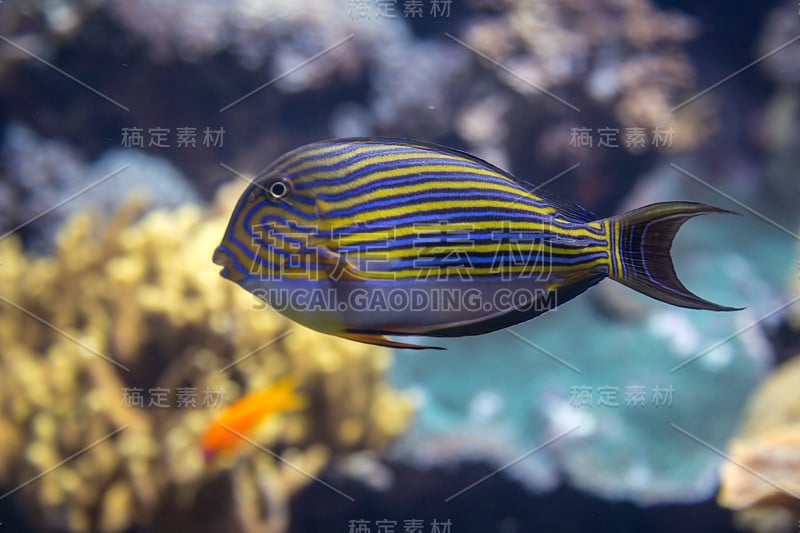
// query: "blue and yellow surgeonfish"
[[364, 238]]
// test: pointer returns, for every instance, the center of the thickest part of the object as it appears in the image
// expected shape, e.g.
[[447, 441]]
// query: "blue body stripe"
[[342, 163], [620, 250], [425, 240], [499, 260], [402, 164], [297, 217], [397, 201], [279, 164]]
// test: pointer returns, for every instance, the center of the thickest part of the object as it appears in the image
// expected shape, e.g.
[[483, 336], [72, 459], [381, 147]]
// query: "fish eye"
[[278, 189]]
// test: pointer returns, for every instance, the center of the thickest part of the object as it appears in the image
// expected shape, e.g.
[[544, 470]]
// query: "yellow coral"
[[762, 478], [127, 304]]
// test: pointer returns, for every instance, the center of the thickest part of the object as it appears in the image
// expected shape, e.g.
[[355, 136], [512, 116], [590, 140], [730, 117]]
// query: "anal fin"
[[381, 340], [570, 278]]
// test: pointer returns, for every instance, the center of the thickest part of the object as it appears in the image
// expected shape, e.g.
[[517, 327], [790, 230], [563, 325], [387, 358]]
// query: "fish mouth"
[[220, 257], [230, 267], [223, 259]]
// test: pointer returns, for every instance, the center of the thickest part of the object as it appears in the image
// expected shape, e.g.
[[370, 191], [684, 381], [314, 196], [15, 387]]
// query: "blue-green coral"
[[499, 397]]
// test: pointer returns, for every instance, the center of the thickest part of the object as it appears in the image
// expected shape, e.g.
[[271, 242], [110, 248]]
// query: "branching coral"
[[624, 55], [621, 63], [777, 34], [279, 32], [38, 26], [132, 305], [780, 120]]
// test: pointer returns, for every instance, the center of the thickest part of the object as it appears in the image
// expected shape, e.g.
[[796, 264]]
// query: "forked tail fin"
[[641, 243]]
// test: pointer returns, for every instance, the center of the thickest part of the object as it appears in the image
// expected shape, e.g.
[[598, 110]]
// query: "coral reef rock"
[[761, 479]]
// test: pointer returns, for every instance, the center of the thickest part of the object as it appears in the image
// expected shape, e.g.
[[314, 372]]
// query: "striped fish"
[[364, 238]]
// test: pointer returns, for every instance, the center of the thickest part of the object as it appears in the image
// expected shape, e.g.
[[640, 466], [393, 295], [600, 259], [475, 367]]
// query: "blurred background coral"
[[128, 128]]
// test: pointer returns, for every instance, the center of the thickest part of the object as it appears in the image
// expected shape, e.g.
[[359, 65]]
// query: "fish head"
[[269, 233]]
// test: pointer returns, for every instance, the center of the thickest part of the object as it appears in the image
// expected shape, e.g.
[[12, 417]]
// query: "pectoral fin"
[[337, 265], [322, 208]]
